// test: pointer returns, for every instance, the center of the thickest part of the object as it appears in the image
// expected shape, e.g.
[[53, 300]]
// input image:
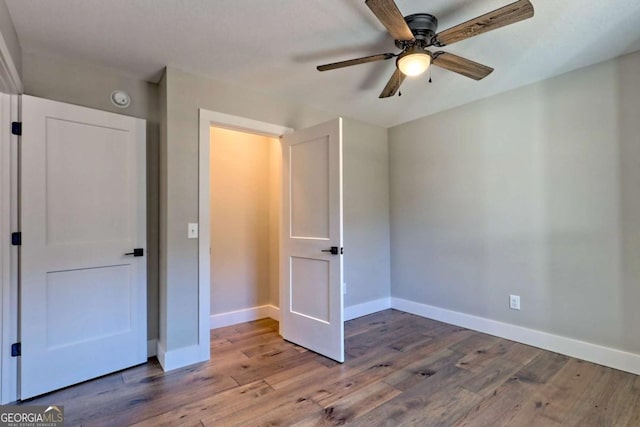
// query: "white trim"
[[595, 353], [10, 81], [366, 308], [208, 119], [273, 312], [179, 358], [160, 353], [9, 112], [227, 121], [152, 347], [5, 230], [204, 251], [246, 315], [260, 312]]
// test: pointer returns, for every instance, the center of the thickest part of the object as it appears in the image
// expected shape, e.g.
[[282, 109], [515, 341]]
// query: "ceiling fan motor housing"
[[423, 26]]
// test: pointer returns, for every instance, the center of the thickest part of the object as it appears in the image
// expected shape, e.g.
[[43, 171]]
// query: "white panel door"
[[83, 208], [311, 312]]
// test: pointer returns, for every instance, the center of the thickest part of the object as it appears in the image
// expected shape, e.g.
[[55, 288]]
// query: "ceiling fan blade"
[[393, 84], [460, 65], [389, 15], [350, 62], [510, 14]]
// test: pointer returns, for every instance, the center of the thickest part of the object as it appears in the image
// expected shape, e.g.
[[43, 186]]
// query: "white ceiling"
[[273, 46]]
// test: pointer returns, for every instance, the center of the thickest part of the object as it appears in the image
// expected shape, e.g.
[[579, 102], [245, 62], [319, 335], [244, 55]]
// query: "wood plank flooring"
[[401, 369]]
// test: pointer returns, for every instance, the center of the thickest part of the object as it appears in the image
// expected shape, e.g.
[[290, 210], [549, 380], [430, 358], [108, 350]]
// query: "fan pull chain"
[[399, 83], [429, 74]]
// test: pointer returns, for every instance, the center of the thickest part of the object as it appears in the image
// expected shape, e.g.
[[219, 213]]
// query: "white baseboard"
[[273, 312], [365, 308], [181, 357], [152, 347], [595, 353], [245, 315], [254, 313]]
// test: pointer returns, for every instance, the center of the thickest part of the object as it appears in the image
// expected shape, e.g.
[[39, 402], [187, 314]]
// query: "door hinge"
[[16, 238], [16, 128], [16, 349]]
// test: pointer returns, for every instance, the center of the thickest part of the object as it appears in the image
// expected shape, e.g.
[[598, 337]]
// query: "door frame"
[[10, 87], [9, 112], [227, 121]]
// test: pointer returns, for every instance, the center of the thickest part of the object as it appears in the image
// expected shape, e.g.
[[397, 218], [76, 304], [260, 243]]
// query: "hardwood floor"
[[401, 369]]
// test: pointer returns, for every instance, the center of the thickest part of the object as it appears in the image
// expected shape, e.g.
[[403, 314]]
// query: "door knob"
[[136, 252], [334, 250]]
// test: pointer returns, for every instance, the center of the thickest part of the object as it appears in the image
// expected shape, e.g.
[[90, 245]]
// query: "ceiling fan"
[[415, 33]]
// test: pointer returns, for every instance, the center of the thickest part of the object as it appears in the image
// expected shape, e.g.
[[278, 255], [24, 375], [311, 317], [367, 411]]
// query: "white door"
[[83, 208], [311, 312]]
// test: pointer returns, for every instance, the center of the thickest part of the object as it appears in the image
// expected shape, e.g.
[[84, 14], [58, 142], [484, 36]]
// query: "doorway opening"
[[209, 119], [311, 186], [245, 197]]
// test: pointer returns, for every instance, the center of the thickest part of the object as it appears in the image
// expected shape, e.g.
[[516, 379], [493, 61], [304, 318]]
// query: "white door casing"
[[8, 253], [311, 299], [83, 206]]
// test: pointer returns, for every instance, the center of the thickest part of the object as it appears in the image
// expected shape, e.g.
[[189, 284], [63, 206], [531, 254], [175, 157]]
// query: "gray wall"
[[366, 212], [8, 33], [80, 83], [532, 192], [185, 94], [83, 83], [365, 157]]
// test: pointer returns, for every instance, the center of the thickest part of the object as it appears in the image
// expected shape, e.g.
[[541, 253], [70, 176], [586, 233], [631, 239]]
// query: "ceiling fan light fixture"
[[414, 61]]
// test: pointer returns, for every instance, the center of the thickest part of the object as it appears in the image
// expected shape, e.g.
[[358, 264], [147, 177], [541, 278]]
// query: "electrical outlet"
[[514, 302]]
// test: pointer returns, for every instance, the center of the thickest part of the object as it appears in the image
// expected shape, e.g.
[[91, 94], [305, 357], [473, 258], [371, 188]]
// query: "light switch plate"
[[192, 230]]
